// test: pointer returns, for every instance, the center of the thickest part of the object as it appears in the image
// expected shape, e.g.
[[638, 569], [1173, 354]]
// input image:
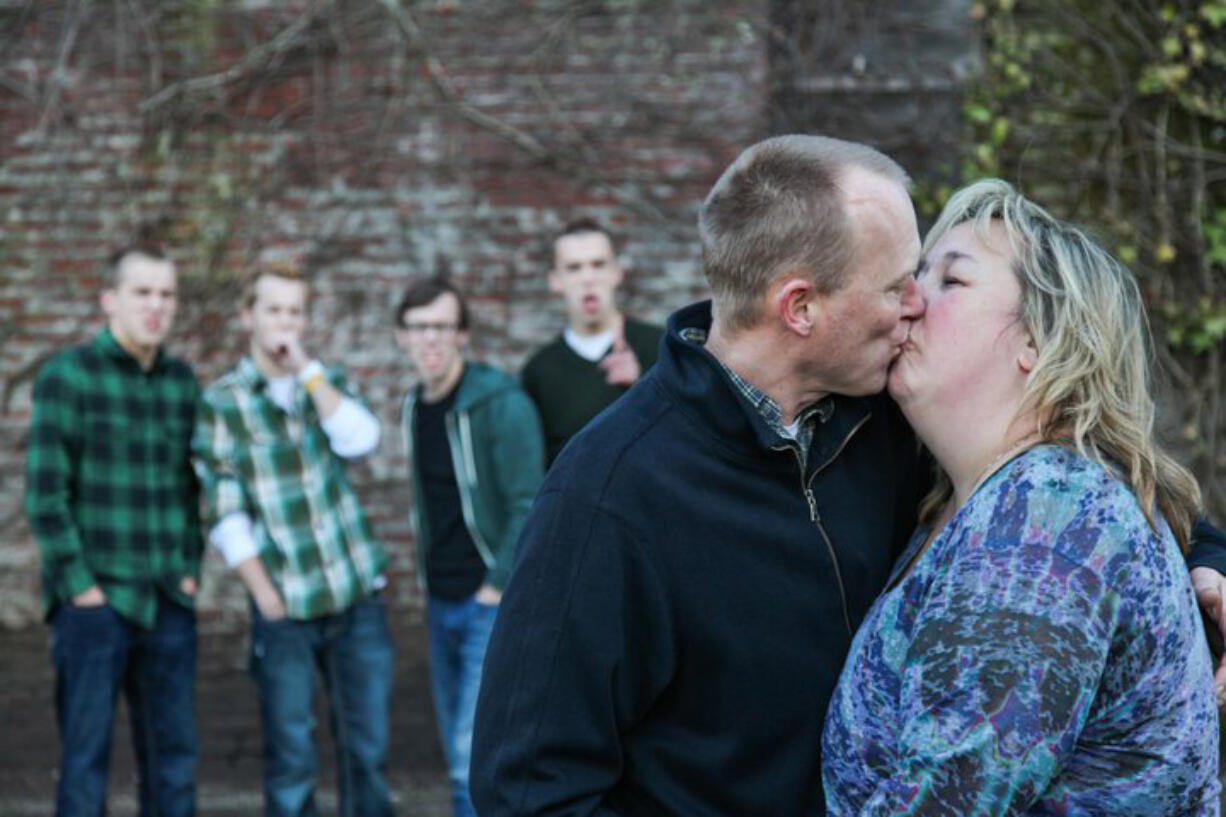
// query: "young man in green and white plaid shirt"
[[271, 441], [113, 504]]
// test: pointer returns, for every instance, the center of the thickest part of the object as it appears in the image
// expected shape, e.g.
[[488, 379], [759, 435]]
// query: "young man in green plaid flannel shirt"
[[271, 441], [113, 503]]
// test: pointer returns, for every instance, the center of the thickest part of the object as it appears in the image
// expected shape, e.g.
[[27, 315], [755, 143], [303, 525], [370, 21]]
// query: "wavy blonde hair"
[[1091, 385]]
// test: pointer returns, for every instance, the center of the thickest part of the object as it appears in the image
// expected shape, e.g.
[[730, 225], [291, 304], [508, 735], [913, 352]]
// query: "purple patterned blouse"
[[1043, 656]]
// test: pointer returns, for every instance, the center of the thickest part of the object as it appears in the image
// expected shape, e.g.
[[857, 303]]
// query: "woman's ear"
[[1028, 358]]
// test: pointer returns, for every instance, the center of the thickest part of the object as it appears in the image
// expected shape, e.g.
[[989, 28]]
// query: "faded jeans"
[[353, 652], [459, 633]]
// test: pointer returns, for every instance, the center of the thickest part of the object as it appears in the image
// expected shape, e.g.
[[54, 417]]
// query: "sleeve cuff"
[[497, 577], [352, 430], [1208, 547], [1211, 556], [311, 370], [75, 579], [234, 536]]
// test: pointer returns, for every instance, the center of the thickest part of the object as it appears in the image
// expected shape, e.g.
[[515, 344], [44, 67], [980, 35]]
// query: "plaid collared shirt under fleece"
[[110, 492], [278, 467], [767, 408]]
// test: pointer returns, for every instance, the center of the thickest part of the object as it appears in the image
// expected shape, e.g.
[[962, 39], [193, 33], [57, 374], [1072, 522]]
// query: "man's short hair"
[[145, 249], [579, 226], [287, 269], [780, 207], [424, 292]]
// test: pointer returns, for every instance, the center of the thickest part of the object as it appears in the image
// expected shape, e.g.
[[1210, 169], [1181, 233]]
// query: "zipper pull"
[[812, 505]]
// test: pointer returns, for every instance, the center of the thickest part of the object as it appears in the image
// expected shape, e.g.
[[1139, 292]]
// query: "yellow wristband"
[[311, 375]]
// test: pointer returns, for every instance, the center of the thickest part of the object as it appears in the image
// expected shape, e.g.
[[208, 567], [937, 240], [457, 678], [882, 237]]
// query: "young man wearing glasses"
[[476, 457]]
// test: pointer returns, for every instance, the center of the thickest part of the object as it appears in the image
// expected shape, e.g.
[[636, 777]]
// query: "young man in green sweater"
[[601, 352]]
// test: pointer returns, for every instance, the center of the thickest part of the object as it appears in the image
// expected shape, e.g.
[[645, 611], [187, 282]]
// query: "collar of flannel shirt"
[[252, 378], [250, 374], [766, 406], [106, 343]]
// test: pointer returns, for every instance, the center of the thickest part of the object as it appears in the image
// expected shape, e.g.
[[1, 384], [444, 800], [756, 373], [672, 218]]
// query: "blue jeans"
[[459, 634], [353, 652], [96, 654]]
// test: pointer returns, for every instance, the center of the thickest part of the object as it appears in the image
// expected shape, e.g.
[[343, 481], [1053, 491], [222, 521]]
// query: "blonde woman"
[[1038, 650]]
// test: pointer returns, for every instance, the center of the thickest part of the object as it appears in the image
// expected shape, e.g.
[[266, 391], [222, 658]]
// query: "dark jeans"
[[96, 654], [353, 652], [459, 633]]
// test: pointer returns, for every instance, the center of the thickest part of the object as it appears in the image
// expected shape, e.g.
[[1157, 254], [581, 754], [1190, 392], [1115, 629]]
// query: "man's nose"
[[913, 302]]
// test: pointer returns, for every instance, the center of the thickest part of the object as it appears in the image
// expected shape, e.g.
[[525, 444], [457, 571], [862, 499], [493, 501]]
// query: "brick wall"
[[376, 141]]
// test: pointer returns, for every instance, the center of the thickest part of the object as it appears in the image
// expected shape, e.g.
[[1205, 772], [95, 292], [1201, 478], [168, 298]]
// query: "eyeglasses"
[[416, 328]]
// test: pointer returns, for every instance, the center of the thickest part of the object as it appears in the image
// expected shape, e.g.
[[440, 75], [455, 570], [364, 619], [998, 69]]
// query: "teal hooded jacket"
[[498, 451]]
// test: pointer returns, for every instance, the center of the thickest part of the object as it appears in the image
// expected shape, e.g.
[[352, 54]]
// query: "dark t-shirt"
[[454, 568]]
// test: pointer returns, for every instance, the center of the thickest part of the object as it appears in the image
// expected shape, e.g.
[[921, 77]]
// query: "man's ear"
[[555, 284], [245, 317], [796, 305], [107, 300]]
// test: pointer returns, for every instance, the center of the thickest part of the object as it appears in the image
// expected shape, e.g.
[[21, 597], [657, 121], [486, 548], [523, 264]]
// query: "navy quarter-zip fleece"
[[679, 610]]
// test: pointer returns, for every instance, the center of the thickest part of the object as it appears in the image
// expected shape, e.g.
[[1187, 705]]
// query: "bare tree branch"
[[56, 82], [22, 89], [155, 52], [261, 56], [526, 142], [446, 89]]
